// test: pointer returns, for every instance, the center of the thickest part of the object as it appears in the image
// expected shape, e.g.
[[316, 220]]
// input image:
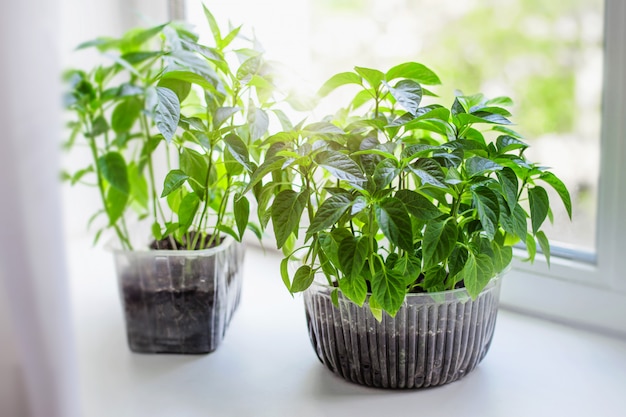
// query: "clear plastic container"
[[434, 339], [179, 301]]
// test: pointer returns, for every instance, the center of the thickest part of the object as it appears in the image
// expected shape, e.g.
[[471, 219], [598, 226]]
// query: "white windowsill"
[[266, 366]]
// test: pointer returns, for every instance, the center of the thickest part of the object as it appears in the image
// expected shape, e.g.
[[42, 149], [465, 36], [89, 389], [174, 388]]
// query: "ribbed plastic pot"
[[434, 339], [179, 301]]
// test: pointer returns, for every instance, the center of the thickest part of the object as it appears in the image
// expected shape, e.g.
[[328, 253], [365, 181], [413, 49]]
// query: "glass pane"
[[546, 55]]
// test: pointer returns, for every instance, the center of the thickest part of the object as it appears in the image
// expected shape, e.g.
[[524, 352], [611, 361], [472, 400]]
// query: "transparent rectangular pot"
[[434, 339], [179, 301]]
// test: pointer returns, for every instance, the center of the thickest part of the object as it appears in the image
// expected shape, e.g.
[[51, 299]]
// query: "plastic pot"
[[179, 301], [434, 339]]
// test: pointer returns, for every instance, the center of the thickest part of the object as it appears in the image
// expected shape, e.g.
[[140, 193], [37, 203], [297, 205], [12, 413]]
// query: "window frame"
[[575, 291]]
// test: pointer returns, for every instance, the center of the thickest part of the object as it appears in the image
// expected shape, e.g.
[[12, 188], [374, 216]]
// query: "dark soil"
[[169, 243], [178, 304]]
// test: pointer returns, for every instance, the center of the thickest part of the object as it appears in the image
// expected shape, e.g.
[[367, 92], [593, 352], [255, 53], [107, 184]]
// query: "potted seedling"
[[172, 125], [412, 210]]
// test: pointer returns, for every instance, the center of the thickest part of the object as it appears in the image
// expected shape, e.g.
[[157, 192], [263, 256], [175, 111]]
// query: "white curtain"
[[31, 244]]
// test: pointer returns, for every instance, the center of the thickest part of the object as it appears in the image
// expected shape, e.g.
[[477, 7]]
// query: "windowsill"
[[266, 366]]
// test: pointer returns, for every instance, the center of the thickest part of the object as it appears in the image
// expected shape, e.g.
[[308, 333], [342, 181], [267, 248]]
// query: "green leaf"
[[434, 278], [376, 309], [167, 112], [329, 213], [338, 80], [156, 231], [112, 168], [539, 206], [408, 94], [270, 164], [544, 244], [477, 273], [258, 122], [302, 279], [238, 149], [286, 212], [486, 203], [180, 88], [456, 262], [507, 143], [215, 29], [388, 289], [414, 71], [531, 247], [125, 114], [341, 166], [439, 240], [115, 204], [385, 172], [395, 223], [189, 77], [429, 171], [241, 208], [222, 114], [138, 185], [409, 267], [249, 68], [355, 288], [418, 206], [477, 165], [509, 184], [187, 210], [284, 272], [503, 255], [352, 254], [560, 188], [373, 76], [515, 223], [196, 166], [173, 181]]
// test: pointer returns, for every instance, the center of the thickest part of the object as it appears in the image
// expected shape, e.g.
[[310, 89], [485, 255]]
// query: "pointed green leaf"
[[284, 273], [539, 205], [477, 273], [286, 212], [341, 166], [509, 184], [531, 247], [241, 208], [394, 221], [258, 122], [429, 171], [414, 71], [352, 254], [418, 206], [329, 213], [486, 203], [238, 150], [544, 244], [477, 165], [439, 240], [503, 255], [560, 188], [187, 210], [338, 80], [115, 204], [388, 290], [355, 288], [125, 114], [409, 267], [373, 76], [515, 223], [408, 94], [112, 168], [302, 279], [173, 180], [167, 112]]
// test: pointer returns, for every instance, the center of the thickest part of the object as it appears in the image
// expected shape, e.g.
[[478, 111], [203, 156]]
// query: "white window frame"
[[590, 294]]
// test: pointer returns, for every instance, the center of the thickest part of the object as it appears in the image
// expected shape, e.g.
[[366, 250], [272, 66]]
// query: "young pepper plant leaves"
[[167, 112], [439, 240], [539, 206], [329, 213], [286, 213], [486, 203], [477, 272], [302, 279], [173, 181], [395, 223], [241, 209]]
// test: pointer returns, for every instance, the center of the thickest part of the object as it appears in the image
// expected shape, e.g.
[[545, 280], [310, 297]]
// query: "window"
[[562, 62]]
